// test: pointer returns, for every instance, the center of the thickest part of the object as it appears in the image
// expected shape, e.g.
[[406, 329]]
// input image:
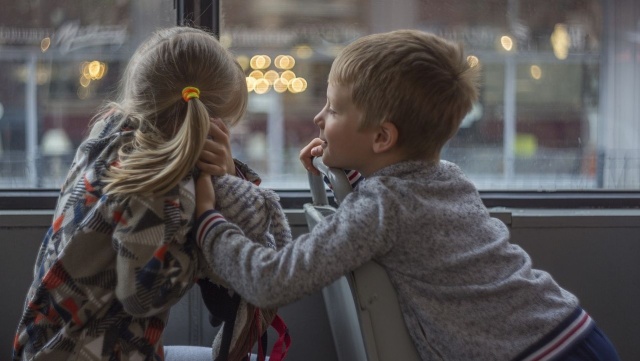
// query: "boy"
[[466, 293]]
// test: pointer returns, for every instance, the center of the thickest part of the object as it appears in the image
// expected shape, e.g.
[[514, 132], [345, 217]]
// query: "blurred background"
[[558, 108]]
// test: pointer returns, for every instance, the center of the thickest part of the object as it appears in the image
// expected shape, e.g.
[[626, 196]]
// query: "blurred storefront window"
[[59, 60], [558, 107]]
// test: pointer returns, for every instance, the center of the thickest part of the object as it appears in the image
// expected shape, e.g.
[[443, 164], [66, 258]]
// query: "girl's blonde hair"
[[169, 131], [420, 82]]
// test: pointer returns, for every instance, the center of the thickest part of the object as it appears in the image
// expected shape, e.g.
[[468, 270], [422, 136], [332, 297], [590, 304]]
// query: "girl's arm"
[[270, 278], [216, 158]]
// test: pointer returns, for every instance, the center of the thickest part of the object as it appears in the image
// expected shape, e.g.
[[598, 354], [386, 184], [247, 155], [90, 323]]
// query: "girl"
[[116, 257]]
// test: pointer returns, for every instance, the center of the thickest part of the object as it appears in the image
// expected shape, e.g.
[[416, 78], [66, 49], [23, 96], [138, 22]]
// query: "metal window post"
[[200, 13], [31, 122]]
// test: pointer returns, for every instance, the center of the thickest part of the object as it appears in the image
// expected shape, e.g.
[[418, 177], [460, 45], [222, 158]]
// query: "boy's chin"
[[326, 159], [335, 161], [331, 163]]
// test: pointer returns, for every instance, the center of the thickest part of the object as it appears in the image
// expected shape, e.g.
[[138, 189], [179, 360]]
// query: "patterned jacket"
[[109, 268]]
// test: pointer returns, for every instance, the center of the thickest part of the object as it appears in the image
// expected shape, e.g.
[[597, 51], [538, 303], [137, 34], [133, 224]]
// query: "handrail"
[[337, 178]]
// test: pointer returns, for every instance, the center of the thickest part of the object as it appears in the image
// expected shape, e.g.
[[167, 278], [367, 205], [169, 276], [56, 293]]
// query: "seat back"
[[339, 300], [362, 306]]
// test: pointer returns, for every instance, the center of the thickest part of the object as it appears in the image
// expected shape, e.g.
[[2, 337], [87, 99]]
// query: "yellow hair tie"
[[190, 92]]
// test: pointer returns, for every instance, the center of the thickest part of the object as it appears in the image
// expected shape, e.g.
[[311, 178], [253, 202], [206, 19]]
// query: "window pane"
[[557, 107], [558, 110], [58, 61]]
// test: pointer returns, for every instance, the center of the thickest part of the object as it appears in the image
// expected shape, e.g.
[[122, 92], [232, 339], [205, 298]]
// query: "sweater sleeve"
[[271, 278], [245, 172], [155, 265]]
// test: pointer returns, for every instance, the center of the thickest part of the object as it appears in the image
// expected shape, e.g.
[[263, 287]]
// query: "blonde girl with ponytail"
[[171, 88], [117, 255]]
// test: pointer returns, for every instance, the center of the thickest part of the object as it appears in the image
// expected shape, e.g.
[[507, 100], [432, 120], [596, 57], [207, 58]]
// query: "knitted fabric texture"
[[257, 211], [454, 269]]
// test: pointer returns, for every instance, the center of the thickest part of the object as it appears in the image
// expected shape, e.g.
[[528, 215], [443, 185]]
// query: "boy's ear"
[[385, 138]]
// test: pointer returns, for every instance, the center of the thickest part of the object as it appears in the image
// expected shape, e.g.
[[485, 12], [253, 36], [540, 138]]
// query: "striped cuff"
[[353, 176], [206, 222], [563, 337]]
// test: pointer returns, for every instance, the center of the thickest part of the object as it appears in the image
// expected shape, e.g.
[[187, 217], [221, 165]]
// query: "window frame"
[[45, 199]]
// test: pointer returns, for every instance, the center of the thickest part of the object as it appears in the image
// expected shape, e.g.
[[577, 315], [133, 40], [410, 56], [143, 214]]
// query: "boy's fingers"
[[317, 151], [308, 152], [305, 153]]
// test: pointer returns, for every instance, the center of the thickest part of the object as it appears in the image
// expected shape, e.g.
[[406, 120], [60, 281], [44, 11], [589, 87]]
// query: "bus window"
[[59, 61], [545, 118], [557, 110]]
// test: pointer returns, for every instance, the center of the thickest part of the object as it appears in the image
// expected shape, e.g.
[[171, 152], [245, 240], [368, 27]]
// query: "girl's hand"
[[216, 158], [311, 150], [205, 196]]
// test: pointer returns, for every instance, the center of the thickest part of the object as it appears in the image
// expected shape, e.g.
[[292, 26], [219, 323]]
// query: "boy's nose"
[[318, 120]]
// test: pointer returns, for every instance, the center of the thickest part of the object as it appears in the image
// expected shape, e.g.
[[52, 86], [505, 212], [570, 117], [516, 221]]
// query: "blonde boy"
[[466, 293]]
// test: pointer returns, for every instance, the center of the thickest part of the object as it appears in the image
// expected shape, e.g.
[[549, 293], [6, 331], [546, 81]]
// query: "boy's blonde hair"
[[420, 82], [169, 131]]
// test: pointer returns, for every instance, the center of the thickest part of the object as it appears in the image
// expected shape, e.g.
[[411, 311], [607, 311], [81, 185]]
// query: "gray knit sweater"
[[466, 293]]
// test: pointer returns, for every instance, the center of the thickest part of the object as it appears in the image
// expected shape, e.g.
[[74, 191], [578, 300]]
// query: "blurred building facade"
[[557, 108]]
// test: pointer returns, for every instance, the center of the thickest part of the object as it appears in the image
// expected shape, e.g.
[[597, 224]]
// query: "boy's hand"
[[216, 158], [311, 150], [205, 196]]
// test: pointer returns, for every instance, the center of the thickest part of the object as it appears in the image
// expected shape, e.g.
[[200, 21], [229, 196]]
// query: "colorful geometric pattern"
[[109, 268]]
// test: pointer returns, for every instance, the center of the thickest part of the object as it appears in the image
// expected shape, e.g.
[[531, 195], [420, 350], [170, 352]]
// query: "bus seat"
[[362, 306]]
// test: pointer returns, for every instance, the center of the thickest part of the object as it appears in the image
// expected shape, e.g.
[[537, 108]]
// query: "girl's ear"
[[386, 137]]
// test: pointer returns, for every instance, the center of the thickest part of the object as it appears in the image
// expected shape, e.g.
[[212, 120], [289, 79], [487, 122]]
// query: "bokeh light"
[[45, 43], [473, 60], [560, 41], [506, 42], [536, 72], [260, 80]]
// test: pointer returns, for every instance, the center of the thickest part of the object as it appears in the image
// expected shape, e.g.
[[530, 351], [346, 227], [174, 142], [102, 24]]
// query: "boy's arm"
[[270, 278], [155, 265]]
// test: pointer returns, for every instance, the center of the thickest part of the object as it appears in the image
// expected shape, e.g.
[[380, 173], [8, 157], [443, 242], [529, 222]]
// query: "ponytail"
[[170, 125], [152, 165]]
